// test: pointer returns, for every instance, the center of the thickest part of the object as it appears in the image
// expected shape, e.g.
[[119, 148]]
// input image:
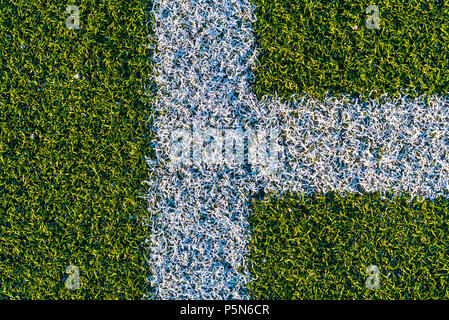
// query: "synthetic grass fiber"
[[319, 246], [72, 149]]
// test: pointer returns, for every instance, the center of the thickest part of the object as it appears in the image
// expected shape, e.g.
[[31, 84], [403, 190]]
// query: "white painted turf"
[[199, 232]]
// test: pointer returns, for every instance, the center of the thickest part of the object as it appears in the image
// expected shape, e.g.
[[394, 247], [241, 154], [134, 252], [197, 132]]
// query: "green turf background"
[[319, 246], [309, 46], [71, 195]]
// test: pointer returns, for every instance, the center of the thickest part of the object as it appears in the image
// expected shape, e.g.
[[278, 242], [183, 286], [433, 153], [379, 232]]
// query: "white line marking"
[[199, 235]]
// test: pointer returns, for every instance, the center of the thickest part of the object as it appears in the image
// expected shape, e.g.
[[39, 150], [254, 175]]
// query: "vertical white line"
[[199, 235]]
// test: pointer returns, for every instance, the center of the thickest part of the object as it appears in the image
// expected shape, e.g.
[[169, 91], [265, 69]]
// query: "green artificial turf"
[[69, 195], [313, 47], [319, 246]]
